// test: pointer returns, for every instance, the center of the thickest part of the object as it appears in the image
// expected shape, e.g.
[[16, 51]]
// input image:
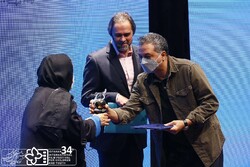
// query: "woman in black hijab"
[[50, 120]]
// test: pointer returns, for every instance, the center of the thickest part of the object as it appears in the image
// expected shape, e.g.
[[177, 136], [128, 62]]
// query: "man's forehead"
[[125, 24], [146, 48]]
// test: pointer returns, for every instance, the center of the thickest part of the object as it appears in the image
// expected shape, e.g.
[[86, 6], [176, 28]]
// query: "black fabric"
[[55, 71], [170, 19], [56, 110], [133, 158], [46, 127], [168, 114], [50, 120]]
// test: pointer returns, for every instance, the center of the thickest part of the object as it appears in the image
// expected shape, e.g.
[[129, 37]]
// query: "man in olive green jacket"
[[175, 92]]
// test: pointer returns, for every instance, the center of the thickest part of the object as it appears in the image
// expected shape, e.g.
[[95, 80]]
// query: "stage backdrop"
[[31, 29], [219, 40]]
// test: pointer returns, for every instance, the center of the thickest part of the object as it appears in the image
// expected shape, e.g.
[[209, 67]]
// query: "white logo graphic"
[[64, 156], [37, 156]]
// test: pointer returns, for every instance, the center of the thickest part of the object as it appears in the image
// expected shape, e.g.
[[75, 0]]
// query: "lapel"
[[136, 63], [114, 61]]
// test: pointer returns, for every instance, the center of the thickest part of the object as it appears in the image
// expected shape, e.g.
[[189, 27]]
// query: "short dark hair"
[[120, 17], [159, 42]]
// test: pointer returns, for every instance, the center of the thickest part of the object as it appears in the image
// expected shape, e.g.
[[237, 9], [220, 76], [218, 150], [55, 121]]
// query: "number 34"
[[66, 150]]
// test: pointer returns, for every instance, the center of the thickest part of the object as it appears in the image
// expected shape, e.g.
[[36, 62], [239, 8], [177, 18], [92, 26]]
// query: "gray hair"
[[121, 17], [159, 42]]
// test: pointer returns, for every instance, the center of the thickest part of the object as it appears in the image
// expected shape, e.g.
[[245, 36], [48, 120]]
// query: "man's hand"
[[112, 115], [178, 125]]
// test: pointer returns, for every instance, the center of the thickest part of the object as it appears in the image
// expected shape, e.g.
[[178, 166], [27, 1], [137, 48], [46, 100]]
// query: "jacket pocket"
[[184, 92], [151, 108], [185, 99]]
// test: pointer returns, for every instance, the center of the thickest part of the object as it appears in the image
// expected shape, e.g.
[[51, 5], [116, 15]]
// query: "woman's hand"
[[103, 118]]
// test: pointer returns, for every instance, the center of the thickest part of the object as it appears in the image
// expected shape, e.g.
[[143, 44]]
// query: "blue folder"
[[153, 127]]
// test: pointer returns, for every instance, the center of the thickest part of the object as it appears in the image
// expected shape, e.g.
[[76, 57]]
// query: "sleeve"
[[133, 107], [60, 121], [97, 122], [56, 110], [79, 129], [54, 117], [207, 103], [92, 82]]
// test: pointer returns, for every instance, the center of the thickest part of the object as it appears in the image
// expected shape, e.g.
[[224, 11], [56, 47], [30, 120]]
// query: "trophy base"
[[98, 111]]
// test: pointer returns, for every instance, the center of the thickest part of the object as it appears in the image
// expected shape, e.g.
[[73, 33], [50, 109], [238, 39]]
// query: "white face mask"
[[150, 65]]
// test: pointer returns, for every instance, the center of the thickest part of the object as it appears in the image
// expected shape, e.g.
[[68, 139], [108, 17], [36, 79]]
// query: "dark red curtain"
[[170, 19]]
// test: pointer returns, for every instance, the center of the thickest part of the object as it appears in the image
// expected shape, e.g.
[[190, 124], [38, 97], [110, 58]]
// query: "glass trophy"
[[99, 102]]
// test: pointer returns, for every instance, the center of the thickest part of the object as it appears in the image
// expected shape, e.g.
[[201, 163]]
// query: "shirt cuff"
[[97, 122], [116, 98]]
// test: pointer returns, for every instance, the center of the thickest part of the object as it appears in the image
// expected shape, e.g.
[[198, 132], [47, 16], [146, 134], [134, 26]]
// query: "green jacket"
[[191, 97]]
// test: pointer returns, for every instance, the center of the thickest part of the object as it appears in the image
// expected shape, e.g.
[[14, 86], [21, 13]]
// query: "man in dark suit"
[[115, 68]]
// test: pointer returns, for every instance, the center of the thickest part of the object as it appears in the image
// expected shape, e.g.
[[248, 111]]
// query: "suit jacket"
[[103, 70]]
